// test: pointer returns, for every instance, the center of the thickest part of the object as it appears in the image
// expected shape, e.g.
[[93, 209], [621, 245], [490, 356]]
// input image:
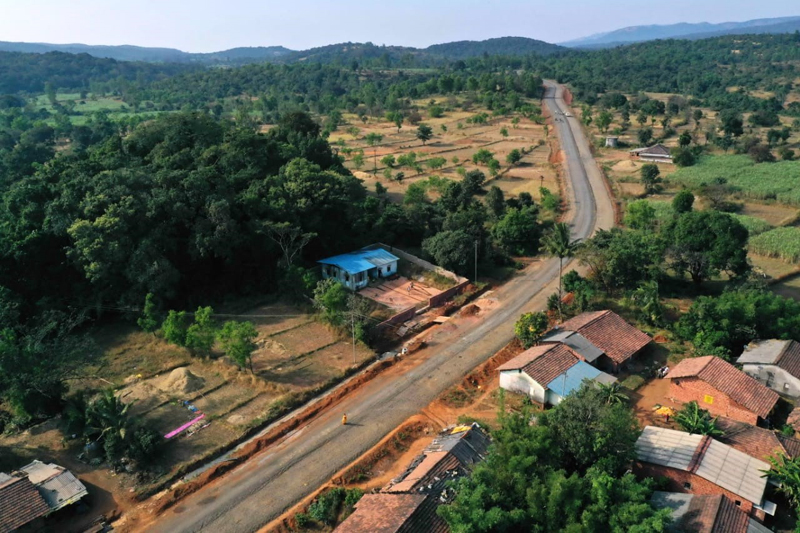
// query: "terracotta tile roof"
[[712, 513], [609, 332], [381, 513], [434, 465], [794, 419], [729, 380], [755, 441], [554, 360], [789, 359], [20, 503]]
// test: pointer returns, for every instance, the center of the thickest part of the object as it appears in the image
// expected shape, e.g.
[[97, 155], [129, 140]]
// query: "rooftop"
[[573, 378], [20, 502], [382, 513], [718, 463], [784, 354], [610, 333], [576, 341], [361, 260], [655, 150], [726, 378], [543, 363], [756, 441], [705, 513], [57, 485]]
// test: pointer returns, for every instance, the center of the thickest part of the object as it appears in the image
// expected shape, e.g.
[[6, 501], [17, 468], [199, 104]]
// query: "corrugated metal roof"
[[572, 378], [667, 447], [57, 485], [582, 345], [734, 471], [719, 463], [361, 260]]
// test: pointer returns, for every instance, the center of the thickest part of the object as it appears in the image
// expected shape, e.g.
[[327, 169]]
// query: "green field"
[[763, 181], [754, 225], [779, 242]]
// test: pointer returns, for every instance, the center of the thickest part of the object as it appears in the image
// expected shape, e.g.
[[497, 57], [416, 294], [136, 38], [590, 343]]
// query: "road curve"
[[262, 488]]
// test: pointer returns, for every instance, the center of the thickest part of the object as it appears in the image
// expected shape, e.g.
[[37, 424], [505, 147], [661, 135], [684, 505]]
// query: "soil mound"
[[181, 380], [470, 310]]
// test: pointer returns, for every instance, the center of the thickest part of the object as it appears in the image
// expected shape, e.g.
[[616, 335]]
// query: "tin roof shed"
[[361, 260]]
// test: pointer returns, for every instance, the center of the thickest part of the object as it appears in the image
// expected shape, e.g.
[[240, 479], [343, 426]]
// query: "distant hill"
[[342, 52], [153, 55], [498, 46], [701, 30]]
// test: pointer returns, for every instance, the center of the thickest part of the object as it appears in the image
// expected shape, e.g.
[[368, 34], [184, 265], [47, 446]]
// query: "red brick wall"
[[699, 485], [685, 390]]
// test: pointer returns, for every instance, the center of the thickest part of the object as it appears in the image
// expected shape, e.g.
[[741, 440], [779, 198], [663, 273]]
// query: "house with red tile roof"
[[775, 363], [549, 372], [408, 503], [755, 441], [20, 502], [721, 388], [603, 338]]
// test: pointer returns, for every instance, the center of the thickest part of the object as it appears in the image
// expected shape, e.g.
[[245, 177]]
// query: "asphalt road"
[[262, 488]]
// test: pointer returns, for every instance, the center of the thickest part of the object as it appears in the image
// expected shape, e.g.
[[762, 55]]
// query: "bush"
[[302, 520], [326, 508]]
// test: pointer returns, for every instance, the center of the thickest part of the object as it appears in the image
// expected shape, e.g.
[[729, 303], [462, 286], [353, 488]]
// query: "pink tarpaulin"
[[184, 427]]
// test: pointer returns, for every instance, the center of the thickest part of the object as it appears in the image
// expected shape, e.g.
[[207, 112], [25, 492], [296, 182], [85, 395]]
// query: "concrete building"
[[355, 269], [721, 388], [612, 141], [700, 465], [775, 363], [549, 372]]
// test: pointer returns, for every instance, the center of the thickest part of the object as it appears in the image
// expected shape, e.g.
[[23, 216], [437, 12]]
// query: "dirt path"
[[259, 490]]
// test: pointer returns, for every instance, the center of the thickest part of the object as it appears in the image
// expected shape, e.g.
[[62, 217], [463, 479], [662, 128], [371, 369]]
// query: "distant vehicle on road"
[[567, 114]]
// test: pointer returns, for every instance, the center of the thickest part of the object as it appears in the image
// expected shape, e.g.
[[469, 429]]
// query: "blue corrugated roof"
[[360, 261], [572, 378]]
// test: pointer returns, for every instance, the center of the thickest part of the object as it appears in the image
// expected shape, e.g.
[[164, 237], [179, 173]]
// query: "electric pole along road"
[[260, 489]]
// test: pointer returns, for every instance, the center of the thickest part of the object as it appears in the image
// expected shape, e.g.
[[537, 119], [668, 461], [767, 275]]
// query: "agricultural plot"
[[779, 242], [761, 181]]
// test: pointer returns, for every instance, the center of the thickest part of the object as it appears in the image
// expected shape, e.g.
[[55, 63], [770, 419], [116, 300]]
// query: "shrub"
[[326, 507]]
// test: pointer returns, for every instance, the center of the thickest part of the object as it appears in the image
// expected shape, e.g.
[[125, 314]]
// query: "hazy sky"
[[210, 25]]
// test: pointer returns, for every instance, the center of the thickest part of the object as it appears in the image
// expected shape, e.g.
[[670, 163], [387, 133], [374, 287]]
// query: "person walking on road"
[[344, 419]]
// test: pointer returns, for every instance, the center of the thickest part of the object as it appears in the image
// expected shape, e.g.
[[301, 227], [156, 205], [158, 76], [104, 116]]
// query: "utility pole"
[[476, 261], [353, 322]]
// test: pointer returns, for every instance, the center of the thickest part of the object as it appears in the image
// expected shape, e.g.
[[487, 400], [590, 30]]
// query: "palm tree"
[[107, 415], [612, 393], [786, 471], [697, 421], [559, 244]]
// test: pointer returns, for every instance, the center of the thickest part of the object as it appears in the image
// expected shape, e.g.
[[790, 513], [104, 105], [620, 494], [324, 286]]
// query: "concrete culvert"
[[180, 381]]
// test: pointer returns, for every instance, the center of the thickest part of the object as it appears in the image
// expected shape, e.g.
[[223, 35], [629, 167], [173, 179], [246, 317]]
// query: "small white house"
[[775, 363], [548, 373], [355, 269], [657, 153]]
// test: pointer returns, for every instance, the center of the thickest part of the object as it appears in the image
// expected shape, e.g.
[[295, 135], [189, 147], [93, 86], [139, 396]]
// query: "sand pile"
[[181, 380]]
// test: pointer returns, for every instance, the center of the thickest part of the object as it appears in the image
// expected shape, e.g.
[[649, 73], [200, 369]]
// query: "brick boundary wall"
[[685, 390], [399, 318], [439, 299], [421, 262]]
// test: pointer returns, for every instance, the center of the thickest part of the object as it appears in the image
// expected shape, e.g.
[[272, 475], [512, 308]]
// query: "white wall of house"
[[387, 270], [352, 282], [517, 381], [774, 377]]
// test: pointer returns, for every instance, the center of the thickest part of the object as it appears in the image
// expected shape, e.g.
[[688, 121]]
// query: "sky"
[[212, 25]]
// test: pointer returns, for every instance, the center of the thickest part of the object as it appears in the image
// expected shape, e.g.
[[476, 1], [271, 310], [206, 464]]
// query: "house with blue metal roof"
[[355, 269]]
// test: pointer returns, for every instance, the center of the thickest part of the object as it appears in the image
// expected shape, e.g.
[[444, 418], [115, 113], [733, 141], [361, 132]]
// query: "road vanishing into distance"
[[259, 490]]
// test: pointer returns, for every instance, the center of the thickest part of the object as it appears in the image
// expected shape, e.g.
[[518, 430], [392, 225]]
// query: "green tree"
[[651, 178], [495, 201], [518, 231], [648, 304], [482, 156], [697, 421], [760, 153], [50, 91], [604, 120], [200, 335], [435, 163], [644, 136], [786, 472], [731, 121], [683, 201], [388, 160], [494, 166], [424, 133], [612, 393], [175, 327], [374, 139], [149, 319], [330, 299], [703, 243], [451, 249], [237, 340], [530, 327], [513, 157], [683, 157], [504, 132], [358, 160], [558, 243], [640, 214], [622, 260], [107, 421], [685, 139]]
